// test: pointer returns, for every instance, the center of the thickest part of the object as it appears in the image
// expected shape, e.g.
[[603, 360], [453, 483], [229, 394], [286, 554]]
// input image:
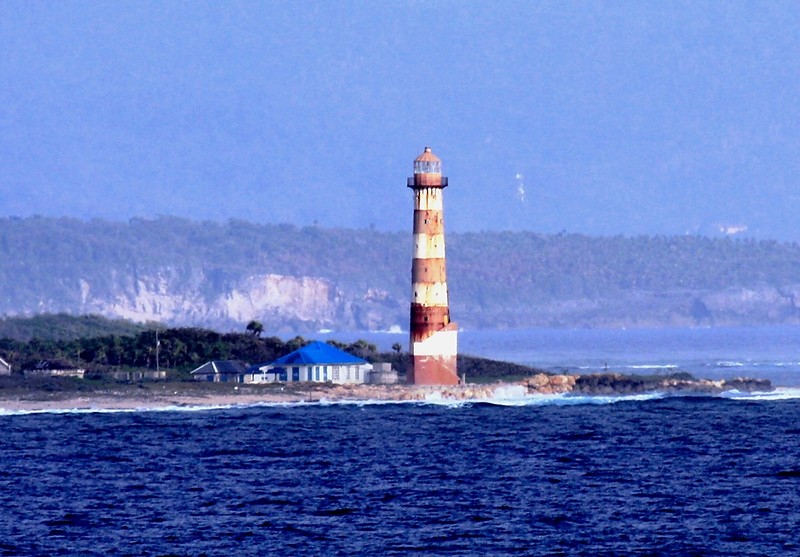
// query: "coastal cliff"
[[167, 297], [297, 280]]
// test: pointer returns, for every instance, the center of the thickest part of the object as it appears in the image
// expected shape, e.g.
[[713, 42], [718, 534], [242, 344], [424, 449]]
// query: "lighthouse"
[[433, 342]]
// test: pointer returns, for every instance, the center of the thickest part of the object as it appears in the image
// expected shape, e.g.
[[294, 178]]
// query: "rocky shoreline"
[[197, 395], [607, 384]]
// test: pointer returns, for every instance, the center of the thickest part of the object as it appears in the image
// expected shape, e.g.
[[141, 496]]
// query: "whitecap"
[[652, 366], [512, 395], [726, 363], [780, 393], [133, 409]]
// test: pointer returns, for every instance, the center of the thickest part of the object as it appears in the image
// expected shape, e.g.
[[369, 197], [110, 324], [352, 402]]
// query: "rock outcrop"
[[615, 384], [607, 384]]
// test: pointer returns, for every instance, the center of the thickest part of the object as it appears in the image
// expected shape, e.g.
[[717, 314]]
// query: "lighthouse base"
[[434, 358]]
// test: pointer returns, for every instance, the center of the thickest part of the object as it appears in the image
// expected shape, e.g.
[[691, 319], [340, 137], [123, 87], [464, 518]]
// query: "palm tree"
[[255, 328]]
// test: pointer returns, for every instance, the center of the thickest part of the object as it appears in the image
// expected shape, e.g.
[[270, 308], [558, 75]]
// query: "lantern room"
[[427, 163], [427, 171]]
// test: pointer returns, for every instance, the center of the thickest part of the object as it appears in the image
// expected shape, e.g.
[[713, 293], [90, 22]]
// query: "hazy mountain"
[[298, 279]]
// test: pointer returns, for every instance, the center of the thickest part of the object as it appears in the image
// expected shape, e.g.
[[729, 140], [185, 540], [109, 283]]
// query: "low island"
[[108, 349], [56, 395]]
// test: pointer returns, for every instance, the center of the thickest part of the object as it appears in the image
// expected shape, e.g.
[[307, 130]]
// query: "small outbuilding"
[[222, 371], [316, 362], [47, 368], [382, 374], [138, 375]]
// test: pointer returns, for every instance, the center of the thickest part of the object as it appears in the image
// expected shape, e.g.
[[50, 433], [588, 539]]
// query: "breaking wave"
[[780, 393], [726, 363], [652, 366], [512, 395]]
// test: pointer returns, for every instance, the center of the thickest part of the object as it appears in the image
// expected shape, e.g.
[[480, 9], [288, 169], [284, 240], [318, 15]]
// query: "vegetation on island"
[[183, 349], [67, 327], [178, 349]]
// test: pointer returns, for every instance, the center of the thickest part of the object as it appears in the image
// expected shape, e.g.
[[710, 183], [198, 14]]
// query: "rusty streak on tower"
[[433, 336]]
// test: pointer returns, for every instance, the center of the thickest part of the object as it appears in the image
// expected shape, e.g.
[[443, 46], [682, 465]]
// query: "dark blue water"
[[675, 476]]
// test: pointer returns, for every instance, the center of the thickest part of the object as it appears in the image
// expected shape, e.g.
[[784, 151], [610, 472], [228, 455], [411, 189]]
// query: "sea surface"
[[515, 475], [764, 352]]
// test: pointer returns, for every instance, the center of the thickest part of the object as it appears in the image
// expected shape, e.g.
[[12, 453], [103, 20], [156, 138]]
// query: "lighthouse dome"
[[427, 163]]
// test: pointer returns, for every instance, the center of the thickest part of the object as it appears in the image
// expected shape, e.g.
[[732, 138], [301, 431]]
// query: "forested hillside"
[[100, 346], [181, 349], [299, 279], [45, 326]]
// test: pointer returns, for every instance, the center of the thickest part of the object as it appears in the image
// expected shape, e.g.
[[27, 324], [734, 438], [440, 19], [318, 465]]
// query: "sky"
[[599, 118]]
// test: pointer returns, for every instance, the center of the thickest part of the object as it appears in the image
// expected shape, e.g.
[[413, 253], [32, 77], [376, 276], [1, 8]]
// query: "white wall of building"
[[340, 374]]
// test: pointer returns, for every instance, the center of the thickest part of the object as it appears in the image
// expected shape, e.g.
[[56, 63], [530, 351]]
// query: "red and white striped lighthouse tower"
[[433, 336]]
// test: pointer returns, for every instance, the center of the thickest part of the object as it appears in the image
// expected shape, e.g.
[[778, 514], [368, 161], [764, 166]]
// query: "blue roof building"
[[317, 362]]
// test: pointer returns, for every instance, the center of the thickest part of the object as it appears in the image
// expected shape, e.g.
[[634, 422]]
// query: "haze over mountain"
[[594, 118], [292, 279]]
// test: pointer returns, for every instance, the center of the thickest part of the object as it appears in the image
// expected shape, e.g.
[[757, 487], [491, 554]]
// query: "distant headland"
[[297, 280]]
